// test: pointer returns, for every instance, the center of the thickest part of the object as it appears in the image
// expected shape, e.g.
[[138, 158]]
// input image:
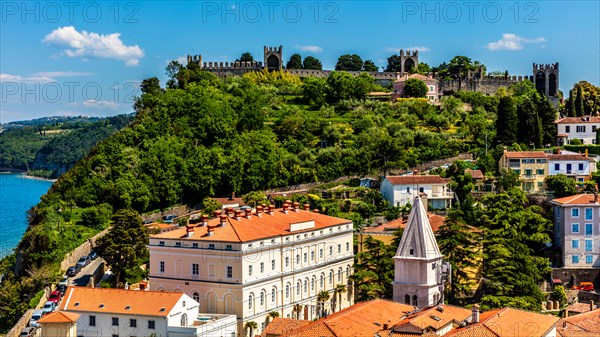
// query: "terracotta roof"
[[416, 76], [435, 220], [255, 228], [433, 318], [59, 317], [577, 120], [119, 301], [416, 179], [525, 154], [508, 322], [229, 201], [358, 320], [577, 199], [582, 325], [476, 174], [280, 325], [569, 157], [579, 307]]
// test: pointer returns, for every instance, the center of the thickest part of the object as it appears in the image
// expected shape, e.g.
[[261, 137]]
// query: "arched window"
[[229, 307], [407, 299], [273, 294], [287, 290], [184, 320], [331, 278], [196, 297], [312, 284], [414, 300], [212, 303], [250, 301], [321, 281], [262, 298], [348, 271], [340, 275], [305, 285], [298, 287]]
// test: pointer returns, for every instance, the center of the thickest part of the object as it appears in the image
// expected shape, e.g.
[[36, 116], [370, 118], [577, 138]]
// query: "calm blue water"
[[17, 195]]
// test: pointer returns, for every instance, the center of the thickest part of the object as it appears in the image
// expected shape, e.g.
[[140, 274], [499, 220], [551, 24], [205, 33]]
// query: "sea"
[[18, 193]]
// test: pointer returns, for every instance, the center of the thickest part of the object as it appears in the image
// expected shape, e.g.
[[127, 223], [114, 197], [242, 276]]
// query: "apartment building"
[[577, 166], [254, 262], [577, 230], [583, 128], [402, 190]]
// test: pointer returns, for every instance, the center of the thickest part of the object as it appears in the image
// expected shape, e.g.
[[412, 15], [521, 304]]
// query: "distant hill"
[[49, 146]]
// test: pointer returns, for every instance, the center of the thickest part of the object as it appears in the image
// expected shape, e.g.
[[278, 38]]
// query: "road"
[[83, 277]]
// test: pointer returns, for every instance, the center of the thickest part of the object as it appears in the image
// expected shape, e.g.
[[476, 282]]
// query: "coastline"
[[24, 174]]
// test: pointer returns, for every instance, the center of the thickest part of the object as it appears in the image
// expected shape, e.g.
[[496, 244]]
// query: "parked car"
[[64, 280], [169, 218], [93, 255], [33, 322], [27, 332], [62, 288], [48, 307], [148, 222], [73, 270], [55, 296], [84, 261], [587, 286]]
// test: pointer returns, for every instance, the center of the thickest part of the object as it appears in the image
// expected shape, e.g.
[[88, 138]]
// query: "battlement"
[[194, 59], [232, 65], [409, 53], [511, 78], [273, 49], [552, 66]]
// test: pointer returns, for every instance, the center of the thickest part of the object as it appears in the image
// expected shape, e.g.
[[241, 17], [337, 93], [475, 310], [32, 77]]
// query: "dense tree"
[[393, 64], [370, 66], [424, 68], [561, 185], [507, 121], [529, 129], [172, 69], [96, 217], [246, 57], [342, 85], [150, 86], [415, 88], [209, 205], [507, 180], [374, 270], [349, 62], [314, 90], [295, 62], [579, 107], [125, 243], [311, 62], [547, 115]]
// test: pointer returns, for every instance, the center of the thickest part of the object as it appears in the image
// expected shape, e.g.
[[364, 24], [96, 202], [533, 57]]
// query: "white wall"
[[574, 167], [588, 137]]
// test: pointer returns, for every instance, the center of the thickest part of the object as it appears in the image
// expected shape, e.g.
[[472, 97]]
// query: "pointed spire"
[[418, 240]]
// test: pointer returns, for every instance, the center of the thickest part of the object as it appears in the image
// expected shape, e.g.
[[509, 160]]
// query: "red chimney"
[[307, 207], [204, 220], [316, 210], [285, 208], [223, 220], [217, 213], [259, 210], [238, 214], [271, 209], [248, 213], [296, 207], [210, 232], [189, 230]]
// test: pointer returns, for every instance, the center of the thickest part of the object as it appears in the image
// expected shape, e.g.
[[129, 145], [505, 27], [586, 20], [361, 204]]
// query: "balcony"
[[529, 177], [514, 164]]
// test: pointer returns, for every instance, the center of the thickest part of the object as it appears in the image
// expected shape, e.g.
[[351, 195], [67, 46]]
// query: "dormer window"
[[161, 243], [177, 244], [128, 307]]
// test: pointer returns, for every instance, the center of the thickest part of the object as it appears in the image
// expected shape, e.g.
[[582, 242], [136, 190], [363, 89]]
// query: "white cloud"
[[93, 45], [29, 79], [309, 48], [63, 73], [512, 42], [397, 49], [97, 105]]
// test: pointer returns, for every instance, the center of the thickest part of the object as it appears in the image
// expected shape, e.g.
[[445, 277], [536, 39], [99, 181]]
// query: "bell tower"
[[419, 268]]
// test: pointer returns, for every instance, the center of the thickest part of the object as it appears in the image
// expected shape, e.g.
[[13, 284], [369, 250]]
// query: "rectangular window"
[[339, 248], [568, 128], [305, 257], [575, 244], [250, 270], [589, 245], [272, 264], [580, 128], [589, 213], [574, 259], [540, 171], [115, 321], [161, 243], [195, 269], [575, 228], [528, 172], [177, 244], [229, 247], [262, 267], [589, 229], [575, 212], [211, 246], [133, 323], [580, 166], [569, 168], [312, 255], [297, 259], [321, 253], [528, 161], [589, 259], [330, 250], [540, 161], [557, 167], [151, 325], [594, 128], [195, 245], [229, 272], [287, 261], [540, 183], [161, 266], [92, 321], [347, 246]]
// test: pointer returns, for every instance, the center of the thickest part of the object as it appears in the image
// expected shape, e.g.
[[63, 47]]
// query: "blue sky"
[[87, 58]]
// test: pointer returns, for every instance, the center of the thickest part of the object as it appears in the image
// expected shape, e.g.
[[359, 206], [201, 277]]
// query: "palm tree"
[[274, 314], [322, 297], [339, 289], [251, 325]]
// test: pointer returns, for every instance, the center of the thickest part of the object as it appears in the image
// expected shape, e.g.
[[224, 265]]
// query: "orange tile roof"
[[577, 199], [416, 179], [59, 317], [476, 174], [569, 157], [148, 303], [418, 77], [508, 322], [433, 318], [280, 325], [358, 320], [435, 220], [525, 154], [579, 307], [256, 228], [230, 201], [582, 325], [577, 120]]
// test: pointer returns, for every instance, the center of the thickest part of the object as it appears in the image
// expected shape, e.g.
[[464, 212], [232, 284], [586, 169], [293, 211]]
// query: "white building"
[[117, 312], [252, 263], [577, 230], [417, 262], [401, 190], [583, 128], [577, 166]]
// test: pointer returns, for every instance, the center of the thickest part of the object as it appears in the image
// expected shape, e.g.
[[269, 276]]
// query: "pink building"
[[432, 86]]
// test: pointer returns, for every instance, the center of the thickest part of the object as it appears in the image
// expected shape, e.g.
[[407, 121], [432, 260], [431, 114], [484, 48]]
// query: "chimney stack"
[[238, 214], [271, 209], [230, 211], [285, 208], [316, 210], [259, 210], [558, 150], [248, 213], [595, 197], [204, 220], [592, 305], [385, 326], [223, 219], [210, 232], [307, 207], [232, 197], [296, 207], [189, 230], [217, 213], [475, 313]]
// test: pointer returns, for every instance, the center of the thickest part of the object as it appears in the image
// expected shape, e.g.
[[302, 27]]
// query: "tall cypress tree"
[[507, 121], [547, 116], [569, 105], [579, 108]]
